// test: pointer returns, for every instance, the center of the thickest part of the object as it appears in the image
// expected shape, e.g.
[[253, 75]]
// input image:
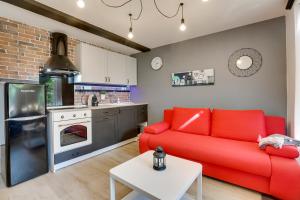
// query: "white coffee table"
[[147, 183]]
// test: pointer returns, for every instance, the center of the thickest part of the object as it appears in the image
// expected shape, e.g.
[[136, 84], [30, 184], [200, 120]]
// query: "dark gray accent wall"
[[264, 90]]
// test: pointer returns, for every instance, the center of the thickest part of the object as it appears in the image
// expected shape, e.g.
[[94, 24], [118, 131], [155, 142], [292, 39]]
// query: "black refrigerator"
[[25, 149]]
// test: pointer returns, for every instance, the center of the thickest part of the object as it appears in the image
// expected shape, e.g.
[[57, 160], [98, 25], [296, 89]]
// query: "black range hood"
[[59, 63]]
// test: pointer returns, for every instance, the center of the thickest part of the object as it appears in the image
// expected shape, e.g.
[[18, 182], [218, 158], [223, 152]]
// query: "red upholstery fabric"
[[157, 128], [274, 125], [168, 116], [285, 180], [143, 142], [239, 155], [244, 179], [246, 125], [191, 120], [286, 151]]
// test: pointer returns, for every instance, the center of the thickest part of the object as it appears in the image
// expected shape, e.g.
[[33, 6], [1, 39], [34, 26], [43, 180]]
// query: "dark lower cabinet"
[[127, 123], [104, 132], [109, 126], [142, 113]]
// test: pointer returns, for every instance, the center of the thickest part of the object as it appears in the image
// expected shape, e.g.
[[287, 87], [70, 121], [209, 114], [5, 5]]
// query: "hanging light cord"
[[116, 6], [181, 4], [125, 3], [130, 19], [141, 10], [167, 16]]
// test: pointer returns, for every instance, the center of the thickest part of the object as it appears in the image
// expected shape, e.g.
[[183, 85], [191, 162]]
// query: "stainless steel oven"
[[72, 130]]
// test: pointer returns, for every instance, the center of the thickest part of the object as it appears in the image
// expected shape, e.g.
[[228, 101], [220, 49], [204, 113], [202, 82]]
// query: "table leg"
[[199, 187], [112, 188]]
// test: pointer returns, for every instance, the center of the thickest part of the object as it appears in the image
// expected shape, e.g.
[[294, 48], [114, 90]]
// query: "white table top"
[[170, 184]]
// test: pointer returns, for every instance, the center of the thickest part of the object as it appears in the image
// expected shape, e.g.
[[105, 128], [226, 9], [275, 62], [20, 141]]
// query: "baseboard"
[[90, 155]]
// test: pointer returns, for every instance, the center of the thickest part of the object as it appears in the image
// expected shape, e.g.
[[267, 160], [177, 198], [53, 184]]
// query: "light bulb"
[[182, 26], [205, 0], [130, 34], [80, 3]]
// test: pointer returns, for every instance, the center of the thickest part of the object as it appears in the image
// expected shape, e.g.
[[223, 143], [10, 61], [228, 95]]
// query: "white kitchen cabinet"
[[98, 65], [116, 68], [93, 63], [131, 70]]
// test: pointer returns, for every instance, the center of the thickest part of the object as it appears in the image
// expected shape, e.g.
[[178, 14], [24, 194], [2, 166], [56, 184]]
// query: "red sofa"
[[225, 143]]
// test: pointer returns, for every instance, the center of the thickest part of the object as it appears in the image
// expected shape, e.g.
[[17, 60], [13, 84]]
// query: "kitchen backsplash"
[[81, 97]]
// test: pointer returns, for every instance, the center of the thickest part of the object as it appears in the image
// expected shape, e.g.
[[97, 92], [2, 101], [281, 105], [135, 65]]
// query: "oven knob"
[[62, 117], [84, 114], [74, 115]]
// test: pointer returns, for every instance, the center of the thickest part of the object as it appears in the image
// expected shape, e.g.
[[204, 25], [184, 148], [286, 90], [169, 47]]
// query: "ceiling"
[[153, 30]]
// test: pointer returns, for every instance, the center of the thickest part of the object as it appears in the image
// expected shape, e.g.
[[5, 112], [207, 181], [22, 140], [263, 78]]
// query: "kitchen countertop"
[[100, 106]]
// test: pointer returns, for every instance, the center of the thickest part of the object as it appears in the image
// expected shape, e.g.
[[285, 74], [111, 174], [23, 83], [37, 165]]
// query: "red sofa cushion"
[[246, 125], [286, 151], [157, 128], [238, 155], [274, 125], [191, 120], [168, 115]]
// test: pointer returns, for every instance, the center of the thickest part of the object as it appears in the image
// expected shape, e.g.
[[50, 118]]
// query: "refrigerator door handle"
[[22, 119]]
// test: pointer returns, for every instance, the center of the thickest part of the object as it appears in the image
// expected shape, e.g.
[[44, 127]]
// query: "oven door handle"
[[64, 125]]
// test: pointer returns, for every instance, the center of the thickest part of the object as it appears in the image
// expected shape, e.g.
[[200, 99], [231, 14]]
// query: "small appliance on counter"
[[93, 100], [23, 132]]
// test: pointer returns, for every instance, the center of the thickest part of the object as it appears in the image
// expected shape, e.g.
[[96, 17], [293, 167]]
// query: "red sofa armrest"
[[157, 128], [143, 142], [285, 178], [275, 124], [288, 151]]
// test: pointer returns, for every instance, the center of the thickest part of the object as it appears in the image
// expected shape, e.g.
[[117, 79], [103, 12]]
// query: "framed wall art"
[[193, 78]]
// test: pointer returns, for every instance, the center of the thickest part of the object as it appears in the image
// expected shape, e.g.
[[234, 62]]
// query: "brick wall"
[[24, 49]]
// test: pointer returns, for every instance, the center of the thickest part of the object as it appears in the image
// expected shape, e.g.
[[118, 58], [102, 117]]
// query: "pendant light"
[[182, 26], [80, 3], [130, 34]]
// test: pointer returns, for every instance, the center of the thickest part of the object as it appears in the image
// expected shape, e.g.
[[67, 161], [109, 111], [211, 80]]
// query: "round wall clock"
[[156, 63], [245, 62]]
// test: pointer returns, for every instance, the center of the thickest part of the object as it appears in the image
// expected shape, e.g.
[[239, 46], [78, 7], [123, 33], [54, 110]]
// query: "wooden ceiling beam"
[[62, 17], [289, 4]]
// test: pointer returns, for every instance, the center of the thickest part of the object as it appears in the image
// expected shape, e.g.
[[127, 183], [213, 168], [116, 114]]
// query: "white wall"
[[293, 70]]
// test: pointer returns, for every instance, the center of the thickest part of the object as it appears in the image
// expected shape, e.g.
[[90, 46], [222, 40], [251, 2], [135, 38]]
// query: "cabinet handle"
[[109, 79], [128, 81], [106, 79]]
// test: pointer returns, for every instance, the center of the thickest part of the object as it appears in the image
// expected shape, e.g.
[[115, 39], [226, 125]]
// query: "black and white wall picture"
[[245, 62], [193, 78]]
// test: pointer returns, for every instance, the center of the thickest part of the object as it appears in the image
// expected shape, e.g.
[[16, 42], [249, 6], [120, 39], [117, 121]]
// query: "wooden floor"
[[88, 180]]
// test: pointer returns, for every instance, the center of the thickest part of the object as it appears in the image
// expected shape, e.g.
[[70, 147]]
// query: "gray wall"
[[264, 90]]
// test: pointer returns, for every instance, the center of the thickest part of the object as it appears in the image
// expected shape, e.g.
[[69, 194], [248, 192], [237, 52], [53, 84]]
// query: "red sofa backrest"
[[168, 116], [191, 120], [245, 125], [273, 124]]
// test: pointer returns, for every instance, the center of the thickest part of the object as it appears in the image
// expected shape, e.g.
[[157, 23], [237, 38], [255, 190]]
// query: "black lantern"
[[159, 159]]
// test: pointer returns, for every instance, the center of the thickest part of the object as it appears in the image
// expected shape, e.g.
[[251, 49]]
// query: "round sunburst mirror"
[[245, 62]]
